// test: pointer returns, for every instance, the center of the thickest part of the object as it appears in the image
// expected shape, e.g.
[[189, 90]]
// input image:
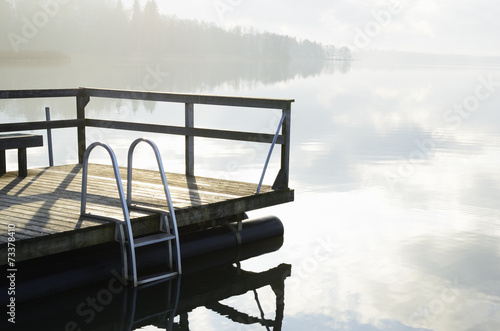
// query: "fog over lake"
[[394, 160]]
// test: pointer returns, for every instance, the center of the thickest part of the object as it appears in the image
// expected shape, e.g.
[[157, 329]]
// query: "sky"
[[427, 26]]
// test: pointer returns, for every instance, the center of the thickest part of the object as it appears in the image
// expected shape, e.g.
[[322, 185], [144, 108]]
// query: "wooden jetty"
[[44, 205]]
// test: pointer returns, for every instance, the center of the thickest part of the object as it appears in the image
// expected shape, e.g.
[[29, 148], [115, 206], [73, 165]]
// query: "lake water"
[[396, 221]]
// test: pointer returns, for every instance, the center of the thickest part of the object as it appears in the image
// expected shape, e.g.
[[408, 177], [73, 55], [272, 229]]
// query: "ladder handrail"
[[123, 201], [165, 188], [117, 178], [270, 152]]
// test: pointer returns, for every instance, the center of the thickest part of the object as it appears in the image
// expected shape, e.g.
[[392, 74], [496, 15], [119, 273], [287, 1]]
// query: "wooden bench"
[[20, 142]]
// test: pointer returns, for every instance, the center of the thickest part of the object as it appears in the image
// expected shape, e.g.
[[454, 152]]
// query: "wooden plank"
[[100, 179], [196, 184], [20, 140], [41, 93], [28, 126], [55, 213], [146, 191], [192, 98], [63, 241], [152, 96], [185, 131], [54, 195]]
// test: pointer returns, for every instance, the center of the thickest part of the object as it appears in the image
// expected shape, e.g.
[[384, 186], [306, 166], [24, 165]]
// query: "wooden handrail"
[[28, 126], [185, 131], [150, 96], [191, 98], [83, 95], [43, 93]]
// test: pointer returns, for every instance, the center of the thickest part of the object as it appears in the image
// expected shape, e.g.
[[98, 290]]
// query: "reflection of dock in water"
[[166, 305], [224, 282]]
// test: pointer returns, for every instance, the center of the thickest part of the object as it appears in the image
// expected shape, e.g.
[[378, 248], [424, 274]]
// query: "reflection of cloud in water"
[[470, 257], [383, 266], [482, 191], [348, 321], [381, 119], [465, 271]]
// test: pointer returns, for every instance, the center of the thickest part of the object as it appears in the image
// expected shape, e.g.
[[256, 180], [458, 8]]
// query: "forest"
[[68, 29]]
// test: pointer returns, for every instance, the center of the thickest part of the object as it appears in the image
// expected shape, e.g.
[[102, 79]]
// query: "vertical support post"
[[49, 138], [3, 167], [189, 120], [285, 149], [22, 160], [81, 101], [281, 181]]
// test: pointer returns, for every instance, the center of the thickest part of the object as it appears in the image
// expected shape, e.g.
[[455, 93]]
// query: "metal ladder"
[[123, 228]]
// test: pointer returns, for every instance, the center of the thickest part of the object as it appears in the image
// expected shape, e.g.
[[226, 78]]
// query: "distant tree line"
[[108, 29], [333, 53]]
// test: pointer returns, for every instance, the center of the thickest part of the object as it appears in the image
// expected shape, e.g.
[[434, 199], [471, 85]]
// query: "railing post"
[[281, 181], [82, 100], [189, 120], [49, 138]]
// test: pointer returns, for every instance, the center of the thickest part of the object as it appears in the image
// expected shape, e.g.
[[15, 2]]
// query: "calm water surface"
[[396, 223]]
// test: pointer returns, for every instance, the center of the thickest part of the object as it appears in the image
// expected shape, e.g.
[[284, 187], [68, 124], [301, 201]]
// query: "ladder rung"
[[153, 239], [156, 277]]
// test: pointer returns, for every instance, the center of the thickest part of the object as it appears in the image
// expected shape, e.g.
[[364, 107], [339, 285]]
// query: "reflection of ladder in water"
[[168, 224], [140, 301]]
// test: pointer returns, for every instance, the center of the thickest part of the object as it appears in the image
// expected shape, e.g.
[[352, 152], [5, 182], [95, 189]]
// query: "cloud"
[[423, 27]]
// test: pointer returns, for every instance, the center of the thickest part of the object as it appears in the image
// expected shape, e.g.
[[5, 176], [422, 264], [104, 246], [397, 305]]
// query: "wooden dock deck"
[[45, 205]]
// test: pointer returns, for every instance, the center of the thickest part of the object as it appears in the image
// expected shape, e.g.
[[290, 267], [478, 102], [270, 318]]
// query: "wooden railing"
[[81, 122]]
